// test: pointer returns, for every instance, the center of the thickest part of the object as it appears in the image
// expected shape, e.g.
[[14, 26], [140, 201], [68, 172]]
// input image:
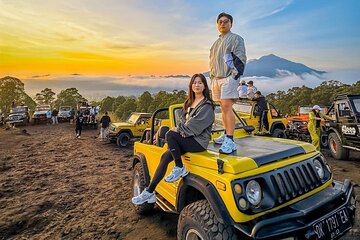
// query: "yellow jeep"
[[133, 127], [247, 110], [270, 188]]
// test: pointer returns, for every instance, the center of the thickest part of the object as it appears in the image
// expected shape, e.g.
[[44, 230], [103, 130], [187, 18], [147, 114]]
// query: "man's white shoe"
[[176, 173], [144, 197], [220, 139]]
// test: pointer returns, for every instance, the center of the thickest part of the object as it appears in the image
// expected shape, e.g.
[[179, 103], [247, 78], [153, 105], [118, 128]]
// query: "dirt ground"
[[54, 186]]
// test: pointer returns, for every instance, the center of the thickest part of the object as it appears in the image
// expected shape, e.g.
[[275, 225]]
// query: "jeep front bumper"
[[328, 214], [112, 136]]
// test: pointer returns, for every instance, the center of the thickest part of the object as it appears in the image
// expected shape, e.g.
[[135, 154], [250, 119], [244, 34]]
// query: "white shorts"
[[225, 88]]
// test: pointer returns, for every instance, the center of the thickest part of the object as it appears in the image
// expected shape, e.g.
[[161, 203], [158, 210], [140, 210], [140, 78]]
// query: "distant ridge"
[[272, 66]]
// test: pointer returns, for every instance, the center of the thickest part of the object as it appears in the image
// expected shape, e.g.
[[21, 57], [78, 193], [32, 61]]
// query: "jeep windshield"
[[356, 102], [306, 110], [64, 109], [133, 118], [42, 108], [242, 107], [19, 110]]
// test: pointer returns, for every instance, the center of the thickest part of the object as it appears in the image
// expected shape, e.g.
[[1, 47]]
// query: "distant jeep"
[[247, 110], [133, 127], [18, 116], [89, 119], [64, 113], [40, 113]]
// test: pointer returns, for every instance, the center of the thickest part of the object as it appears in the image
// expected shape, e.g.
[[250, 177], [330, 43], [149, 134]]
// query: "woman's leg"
[[179, 145], [166, 158]]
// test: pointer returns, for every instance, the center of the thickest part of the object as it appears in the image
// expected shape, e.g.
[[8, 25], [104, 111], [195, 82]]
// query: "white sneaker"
[[145, 196], [176, 173], [228, 146], [220, 139]]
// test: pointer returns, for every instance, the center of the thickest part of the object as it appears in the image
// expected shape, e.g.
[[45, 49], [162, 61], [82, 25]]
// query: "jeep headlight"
[[319, 169], [253, 192]]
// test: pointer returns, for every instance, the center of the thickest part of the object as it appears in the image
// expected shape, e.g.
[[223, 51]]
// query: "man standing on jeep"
[[227, 64]]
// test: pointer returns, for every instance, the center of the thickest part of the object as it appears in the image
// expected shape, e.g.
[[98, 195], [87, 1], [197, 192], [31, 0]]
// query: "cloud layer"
[[97, 87]]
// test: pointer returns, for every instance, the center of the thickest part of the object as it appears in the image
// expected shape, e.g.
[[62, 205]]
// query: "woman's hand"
[[174, 129]]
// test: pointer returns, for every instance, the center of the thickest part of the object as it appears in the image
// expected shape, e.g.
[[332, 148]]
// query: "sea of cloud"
[[98, 87]]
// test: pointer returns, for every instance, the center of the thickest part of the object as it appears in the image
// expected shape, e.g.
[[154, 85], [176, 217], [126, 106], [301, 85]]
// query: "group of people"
[[246, 90], [193, 133], [104, 123]]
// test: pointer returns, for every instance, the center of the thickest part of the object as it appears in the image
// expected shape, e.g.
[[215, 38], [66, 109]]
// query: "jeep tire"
[[123, 139], [336, 148], [139, 183], [198, 221], [278, 133]]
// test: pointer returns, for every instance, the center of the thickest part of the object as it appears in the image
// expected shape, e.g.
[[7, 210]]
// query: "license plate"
[[332, 226]]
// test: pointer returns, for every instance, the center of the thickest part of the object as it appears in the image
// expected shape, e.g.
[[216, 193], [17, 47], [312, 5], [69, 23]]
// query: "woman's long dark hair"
[[191, 94]]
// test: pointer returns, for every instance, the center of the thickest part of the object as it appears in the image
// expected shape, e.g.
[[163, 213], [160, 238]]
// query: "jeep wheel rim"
[[136, 190], [125, 140], [333, 146], [192, 234]]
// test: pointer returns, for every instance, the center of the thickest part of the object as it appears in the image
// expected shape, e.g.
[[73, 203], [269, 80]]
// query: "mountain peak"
[[269, 66]]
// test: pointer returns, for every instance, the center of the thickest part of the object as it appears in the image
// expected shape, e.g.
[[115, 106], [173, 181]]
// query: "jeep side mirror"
[[249, 129]]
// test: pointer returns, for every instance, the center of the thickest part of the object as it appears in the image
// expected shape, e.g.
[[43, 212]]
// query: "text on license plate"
[[332, 226]]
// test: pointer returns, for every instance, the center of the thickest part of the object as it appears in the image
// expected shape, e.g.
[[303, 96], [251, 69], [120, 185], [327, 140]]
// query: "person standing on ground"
[[251, 89], [263, 110], [105, 123], [48, 116], [78, 123], [54, 115], [72, 115], [192, 134], [227, 64], [314, 125]]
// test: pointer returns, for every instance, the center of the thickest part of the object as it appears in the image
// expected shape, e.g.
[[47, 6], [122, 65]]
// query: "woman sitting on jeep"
[[192, 135]]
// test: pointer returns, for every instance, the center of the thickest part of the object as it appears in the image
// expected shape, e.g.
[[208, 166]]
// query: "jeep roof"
[[19, 109]]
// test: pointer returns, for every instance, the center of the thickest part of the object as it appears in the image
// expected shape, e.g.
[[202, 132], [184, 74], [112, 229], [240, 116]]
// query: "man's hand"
[[174, 129]]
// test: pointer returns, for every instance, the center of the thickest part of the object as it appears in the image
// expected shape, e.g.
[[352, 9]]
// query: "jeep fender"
[[209, 191], [125, 130], [277, 124], [139, 157]]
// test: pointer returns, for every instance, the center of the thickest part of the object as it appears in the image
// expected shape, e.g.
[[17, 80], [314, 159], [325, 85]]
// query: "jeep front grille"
[[294, 181], [283, 184]]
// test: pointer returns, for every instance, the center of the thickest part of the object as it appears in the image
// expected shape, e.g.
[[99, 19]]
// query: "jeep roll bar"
[[153, 123]]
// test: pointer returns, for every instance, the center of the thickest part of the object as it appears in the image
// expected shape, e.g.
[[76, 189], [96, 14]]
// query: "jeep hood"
[[122, 124], [40, 112], [253, 152]]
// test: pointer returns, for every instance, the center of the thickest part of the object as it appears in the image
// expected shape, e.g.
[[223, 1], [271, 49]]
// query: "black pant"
[[177, 145], [264, 120], [78, 130]]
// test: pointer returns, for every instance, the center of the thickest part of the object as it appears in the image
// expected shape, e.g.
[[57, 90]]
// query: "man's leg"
[[228, 116]]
